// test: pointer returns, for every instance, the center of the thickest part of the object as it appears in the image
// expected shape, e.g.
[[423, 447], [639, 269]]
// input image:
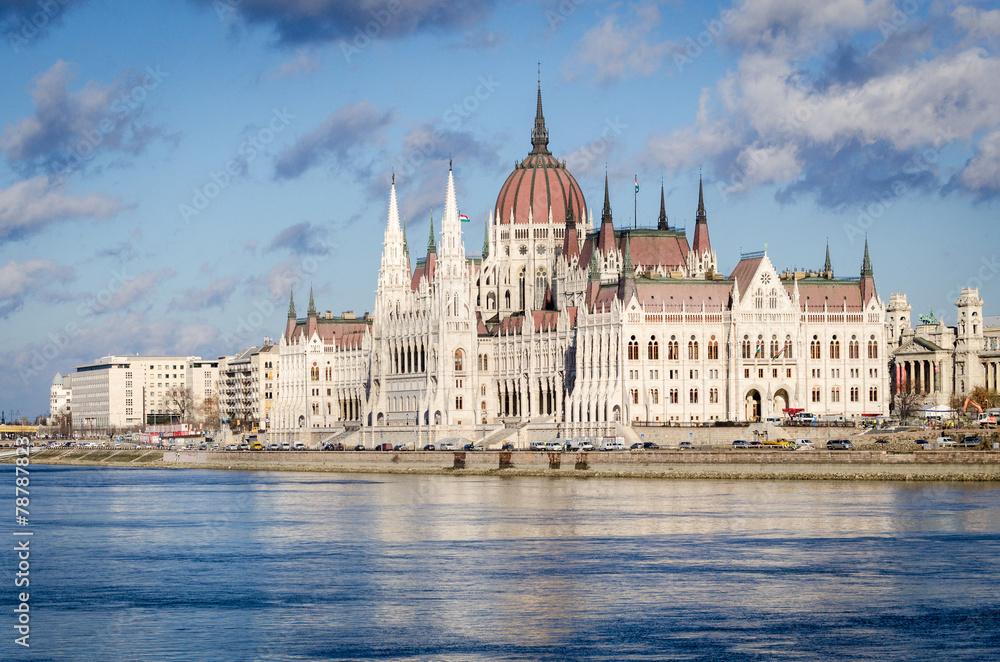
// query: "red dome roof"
[[538, 183]]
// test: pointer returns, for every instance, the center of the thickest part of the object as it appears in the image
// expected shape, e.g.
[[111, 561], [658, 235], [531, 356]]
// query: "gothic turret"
[[606, 238], [828, 266], [539, 134], [867, 278], [290, 324], [701, 259], [571, 243], [662, 223]]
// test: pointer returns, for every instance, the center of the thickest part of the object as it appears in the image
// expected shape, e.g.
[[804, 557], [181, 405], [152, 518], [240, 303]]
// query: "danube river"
[[216, 565]]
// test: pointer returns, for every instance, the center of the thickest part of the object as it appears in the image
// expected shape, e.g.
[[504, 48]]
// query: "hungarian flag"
[[463, 218], [782, 350], [637, 183], [760, 350]]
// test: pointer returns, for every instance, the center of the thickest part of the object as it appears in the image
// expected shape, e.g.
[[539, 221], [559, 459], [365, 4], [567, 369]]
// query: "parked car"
[[299, 446], [945, 442], [971, 442], [360, 447], [804, 444], [446, 446], [384, 447], [429, 447], [472, 447], [881, 442], [553, 445], [586, 445], [756, 444], [839, 445], [740, 443], [285, 446], [613, 444], [685, 446], [921, 442], [270, 447]]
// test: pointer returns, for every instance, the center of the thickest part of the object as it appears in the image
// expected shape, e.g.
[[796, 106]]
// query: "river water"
[[224, 565]]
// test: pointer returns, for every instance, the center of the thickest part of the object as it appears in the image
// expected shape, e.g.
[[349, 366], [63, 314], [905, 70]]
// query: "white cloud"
[[978, 22], [304, 62], [982, 173], [616, 52], [793, 26], [30, 205]]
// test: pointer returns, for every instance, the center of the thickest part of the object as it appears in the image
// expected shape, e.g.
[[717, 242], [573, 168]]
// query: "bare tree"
[[208, 413], [906, 404], [987, 398], [180, 400]]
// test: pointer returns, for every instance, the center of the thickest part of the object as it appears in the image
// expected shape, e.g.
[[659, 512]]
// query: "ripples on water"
[[211, 565]]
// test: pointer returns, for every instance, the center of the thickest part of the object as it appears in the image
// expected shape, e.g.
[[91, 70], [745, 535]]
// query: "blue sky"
[[170, 169]]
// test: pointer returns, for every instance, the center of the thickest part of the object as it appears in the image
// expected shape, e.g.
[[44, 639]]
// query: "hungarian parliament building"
[[569, 320]]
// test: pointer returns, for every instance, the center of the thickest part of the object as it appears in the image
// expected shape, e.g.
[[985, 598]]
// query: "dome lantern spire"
[[540, 135]]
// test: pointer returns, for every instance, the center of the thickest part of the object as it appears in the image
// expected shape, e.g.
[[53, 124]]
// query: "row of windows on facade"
[[674, 394], [673, 349], [817, 394]]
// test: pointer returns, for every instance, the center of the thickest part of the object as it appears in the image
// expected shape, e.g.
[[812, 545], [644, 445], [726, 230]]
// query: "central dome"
[[540, 183]]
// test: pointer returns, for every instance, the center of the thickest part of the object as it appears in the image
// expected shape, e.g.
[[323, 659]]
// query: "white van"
[[554, 445], [613, 444]]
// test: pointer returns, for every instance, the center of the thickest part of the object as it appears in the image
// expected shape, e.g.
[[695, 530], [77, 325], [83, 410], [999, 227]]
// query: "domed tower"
[[528, 226]]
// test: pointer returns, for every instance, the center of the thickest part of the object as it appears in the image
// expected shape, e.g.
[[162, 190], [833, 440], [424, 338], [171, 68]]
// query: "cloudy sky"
[[170, 169]]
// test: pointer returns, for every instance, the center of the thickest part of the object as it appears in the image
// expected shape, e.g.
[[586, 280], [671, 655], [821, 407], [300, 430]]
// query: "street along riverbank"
[[930, 465]]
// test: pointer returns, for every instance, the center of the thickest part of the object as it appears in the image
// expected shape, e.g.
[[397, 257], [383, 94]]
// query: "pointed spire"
[[866, 264], [828, 266], [312, 304], [662, 222], [595, 266], [291, 305], [701, 202], [431, 248], [486, 240], [628, 269], [606, 214], [393, 220], [540, 135], [406, 247]]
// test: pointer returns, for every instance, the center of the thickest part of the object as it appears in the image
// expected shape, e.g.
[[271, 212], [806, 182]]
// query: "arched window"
[[654, 349], [787, 347], [873, 394], [459, 356], [872, 348], [314, 373], [758, 299], [772, 302], [835, 394], [693, 349], [814, 348], [854, 394], [853, 349], [816, 394], [759, 352], [633, 349], [713, 349], [506, 298], [834, 348], [745, 347], [673, 350], [775, 348], [693, 396]]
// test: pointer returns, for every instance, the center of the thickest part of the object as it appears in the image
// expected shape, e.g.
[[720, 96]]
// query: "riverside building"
[[584, 326]]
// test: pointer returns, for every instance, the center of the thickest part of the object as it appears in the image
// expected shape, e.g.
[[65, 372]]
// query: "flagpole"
[[635, 204]]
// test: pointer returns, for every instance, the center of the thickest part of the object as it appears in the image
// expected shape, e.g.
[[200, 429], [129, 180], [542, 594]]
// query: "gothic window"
[[758, 299], [713, 395], [815, 394], [693, 349], [459, 356], [835, 394], [774, 348], [654, 349], [693, 396], [873, 394], [506, 298], [655, 396], [673, 350], [772, 302], [745, 347], [872, 348], [814, 348], [633, 350], [854, 394], [834, 348], [314, 373], [759, 352], [713, 349], [853, 350], [673, 396], [458, 402], [635, 396], [787, 347]]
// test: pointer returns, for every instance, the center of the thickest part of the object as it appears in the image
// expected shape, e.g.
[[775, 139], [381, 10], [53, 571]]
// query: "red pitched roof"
[[744, 272]]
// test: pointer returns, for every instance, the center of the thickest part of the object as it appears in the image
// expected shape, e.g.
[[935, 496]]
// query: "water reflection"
[[188, 564]]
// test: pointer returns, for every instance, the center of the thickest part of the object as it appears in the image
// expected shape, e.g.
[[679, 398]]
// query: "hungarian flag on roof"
[[463, 218], [637, 183]]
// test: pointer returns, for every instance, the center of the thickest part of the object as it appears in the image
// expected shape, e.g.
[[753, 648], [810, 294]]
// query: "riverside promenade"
[[919, 465]]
